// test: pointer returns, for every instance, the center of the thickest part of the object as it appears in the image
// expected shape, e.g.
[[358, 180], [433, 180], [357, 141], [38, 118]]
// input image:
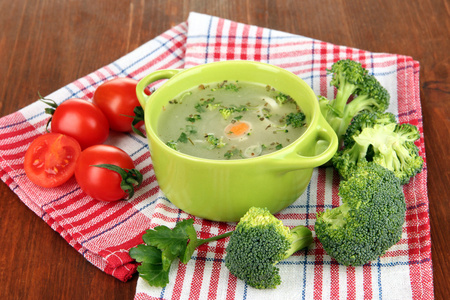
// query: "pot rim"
[[315, 125]]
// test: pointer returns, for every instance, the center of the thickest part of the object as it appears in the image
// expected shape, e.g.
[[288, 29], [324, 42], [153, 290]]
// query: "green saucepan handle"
[[153, 77], [316, 150]]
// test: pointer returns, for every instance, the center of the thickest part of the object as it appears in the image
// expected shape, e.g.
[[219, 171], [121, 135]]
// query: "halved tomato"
[[51, 158]]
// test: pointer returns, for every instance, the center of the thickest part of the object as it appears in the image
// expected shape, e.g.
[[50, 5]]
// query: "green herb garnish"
[[231, 153], [214, 141], [206, 104], [183, 138], [190, 129], [193, 118]]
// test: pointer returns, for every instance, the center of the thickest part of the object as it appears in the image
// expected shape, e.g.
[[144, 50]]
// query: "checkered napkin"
[[104, 232]]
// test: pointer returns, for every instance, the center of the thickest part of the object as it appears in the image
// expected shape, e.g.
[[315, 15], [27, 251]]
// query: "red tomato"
[[117, 99], [101, 183], [81, 120], [51, 158]]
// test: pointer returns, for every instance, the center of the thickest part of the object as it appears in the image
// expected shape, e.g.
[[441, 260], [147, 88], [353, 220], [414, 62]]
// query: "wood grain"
[[45, 45]]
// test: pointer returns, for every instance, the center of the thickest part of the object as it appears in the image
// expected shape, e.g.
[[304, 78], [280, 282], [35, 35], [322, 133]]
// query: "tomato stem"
[[138, 117], [49, 110], [131, 178]]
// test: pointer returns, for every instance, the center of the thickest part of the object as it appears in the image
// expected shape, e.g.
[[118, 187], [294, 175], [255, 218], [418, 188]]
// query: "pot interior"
[[244, 71]]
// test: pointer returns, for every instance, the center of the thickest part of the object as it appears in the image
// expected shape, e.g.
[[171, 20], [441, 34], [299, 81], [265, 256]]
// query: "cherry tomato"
[[81, 120], [117, 99], [51, 158], [104, 184]]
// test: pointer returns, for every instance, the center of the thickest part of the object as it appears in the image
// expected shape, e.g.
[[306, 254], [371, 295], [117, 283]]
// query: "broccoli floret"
[[363, 120], [283, 98], [370, 219], [172, 144], [378, 138], [258, 243], [295, 120], [352, 81], [227, 111], [214, 142]]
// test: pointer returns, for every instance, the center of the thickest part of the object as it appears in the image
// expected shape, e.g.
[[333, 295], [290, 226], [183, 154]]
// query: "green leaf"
[[152, 268], [155, 275], [170, 241], [183, 138], [144, 253]]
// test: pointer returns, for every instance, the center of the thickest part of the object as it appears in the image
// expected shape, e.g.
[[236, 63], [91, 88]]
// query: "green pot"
[[223, 190]]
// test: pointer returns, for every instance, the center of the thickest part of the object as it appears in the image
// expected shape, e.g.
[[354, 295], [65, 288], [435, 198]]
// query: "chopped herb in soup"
[[231, 120]]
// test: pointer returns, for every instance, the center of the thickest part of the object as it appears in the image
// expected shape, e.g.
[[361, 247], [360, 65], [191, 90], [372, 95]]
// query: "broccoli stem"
[[302, 239], [350, 110], [342, 96], [358, 104]]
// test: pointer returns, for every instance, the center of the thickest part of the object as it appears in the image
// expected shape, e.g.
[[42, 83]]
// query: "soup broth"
[[231, 120]]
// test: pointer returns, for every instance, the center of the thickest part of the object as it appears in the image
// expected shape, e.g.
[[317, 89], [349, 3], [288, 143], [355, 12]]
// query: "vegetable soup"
[[231, 120]]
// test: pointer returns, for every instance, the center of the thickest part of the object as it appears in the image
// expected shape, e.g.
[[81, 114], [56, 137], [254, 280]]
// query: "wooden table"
[[45, 45]]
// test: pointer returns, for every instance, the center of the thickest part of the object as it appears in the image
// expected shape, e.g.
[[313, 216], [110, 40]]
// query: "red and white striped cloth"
[[104, 232]]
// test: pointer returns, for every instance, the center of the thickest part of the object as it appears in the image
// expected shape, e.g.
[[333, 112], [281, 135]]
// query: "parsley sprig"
[[163, 246]]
